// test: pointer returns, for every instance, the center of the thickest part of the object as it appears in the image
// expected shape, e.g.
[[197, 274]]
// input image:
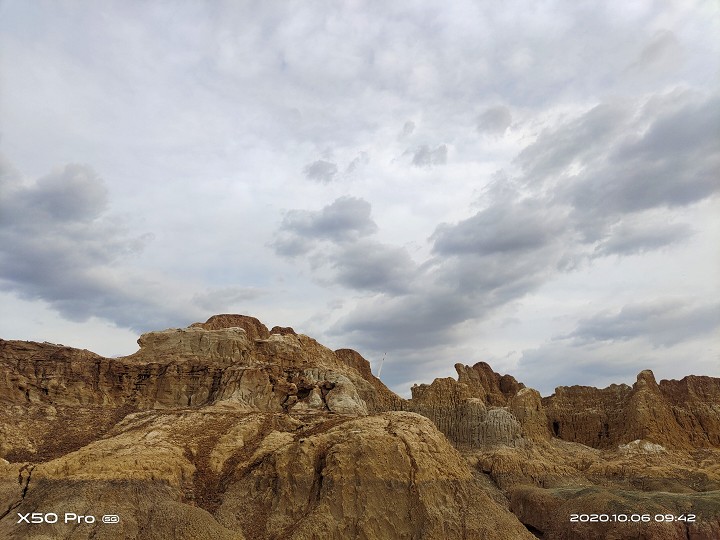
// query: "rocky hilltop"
[[230, 430]]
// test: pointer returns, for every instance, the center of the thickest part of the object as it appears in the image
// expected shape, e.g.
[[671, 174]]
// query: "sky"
[[530, 184]]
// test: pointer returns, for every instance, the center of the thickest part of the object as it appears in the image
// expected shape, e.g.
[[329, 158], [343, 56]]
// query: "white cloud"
[[281, 160]]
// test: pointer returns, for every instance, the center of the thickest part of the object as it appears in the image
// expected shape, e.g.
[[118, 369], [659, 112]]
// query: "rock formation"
[[228, 430], [481, 408], [650, 450], [682, 414], [198, 365]]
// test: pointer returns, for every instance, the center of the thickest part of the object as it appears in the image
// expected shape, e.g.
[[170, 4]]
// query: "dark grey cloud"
[[494, 120], [404, 323], [627, 238], [442, 295], [504, 250], [343, 220], [59, 245], [478, 265], [334, 239], [521, 225], [424, 156], [73, 193], [580, 139], [674, 162], [321, 171], [614, 165], [291, 245], [495, 280], [373, 266], [60, 211], [661, 323]]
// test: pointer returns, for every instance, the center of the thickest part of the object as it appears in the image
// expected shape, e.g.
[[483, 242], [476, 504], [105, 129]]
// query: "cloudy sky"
[[534, 185]]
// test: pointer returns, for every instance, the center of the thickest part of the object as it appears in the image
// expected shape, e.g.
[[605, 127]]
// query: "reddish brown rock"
[[680, 414], [484, 383], [254, 328], [378, 397], [355, 360], [283, 330]]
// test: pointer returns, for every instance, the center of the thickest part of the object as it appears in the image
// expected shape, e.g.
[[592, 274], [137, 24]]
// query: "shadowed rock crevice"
[[24, 477]]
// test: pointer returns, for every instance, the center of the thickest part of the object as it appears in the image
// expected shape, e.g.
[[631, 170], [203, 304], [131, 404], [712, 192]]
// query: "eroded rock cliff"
[[648, 451], [682, 414], [228, 430]]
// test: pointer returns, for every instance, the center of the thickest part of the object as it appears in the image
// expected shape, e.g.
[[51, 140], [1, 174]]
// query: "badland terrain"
[[227, 430]]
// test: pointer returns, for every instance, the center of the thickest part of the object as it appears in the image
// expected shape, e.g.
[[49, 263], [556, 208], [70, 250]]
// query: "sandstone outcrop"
[[585, 450], [378, 397], [481, 408], [228, 430], [192, 366], [219, 472], [682, 414], [252, 326], [485, 384]]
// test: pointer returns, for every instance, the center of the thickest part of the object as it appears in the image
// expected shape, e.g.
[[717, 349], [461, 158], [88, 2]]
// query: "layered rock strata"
[[683, 413], [228, 430], [481, 408], [646, 452], [199, 365]]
